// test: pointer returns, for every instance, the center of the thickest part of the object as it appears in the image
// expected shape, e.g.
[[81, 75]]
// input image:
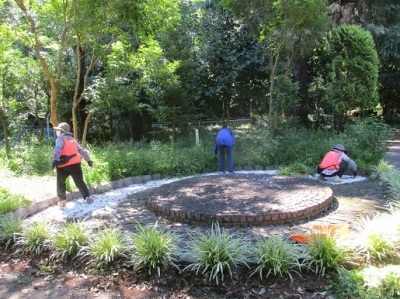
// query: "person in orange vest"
[[335, 163], [68, 163]]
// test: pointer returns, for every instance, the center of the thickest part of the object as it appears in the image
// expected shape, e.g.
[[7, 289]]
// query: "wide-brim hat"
[[63, 127], [339, 147]]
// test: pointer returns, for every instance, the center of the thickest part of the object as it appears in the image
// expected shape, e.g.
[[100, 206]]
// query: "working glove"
[[54, 164], [215, 158], [355, 173], [90, 163]]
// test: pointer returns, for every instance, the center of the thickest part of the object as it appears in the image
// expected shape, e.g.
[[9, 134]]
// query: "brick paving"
[[240, 200]]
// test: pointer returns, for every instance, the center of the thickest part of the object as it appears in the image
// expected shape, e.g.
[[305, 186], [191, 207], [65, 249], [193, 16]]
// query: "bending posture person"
[[224, 143], [68, 163], [335, 163]]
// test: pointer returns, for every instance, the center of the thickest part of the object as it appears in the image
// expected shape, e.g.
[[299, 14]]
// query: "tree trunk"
[[4, 121], [85, 128]]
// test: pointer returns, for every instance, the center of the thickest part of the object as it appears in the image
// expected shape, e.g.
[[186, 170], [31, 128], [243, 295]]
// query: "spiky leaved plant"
[[10, 228], [153, 248], [278, 257], [378, 236], [104, 247], [324, 253], [68, 240], [35, 237], [217, 252]]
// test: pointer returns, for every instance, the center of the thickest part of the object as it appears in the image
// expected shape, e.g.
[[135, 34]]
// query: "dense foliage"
[[112, 69]]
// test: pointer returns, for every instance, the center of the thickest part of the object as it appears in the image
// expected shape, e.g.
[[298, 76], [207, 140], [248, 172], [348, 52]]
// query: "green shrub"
[[217, 252], [104, 247], [389, 175], [35, 237], [10, 228], [278, 257], [369, 283], [10, 202], [325, 254], [153, 249], [68, 240], [378, 237]]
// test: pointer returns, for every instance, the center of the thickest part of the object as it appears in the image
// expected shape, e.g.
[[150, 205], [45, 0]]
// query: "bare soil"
[[29, 276], [25, 276]]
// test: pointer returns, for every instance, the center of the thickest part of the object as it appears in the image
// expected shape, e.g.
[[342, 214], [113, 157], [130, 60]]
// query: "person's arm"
[[57, 149], [352, 164], [216, 150], [84, 153]]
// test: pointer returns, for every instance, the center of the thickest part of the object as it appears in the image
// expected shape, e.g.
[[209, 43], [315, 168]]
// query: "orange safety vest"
[[70, 149], [331, 160]]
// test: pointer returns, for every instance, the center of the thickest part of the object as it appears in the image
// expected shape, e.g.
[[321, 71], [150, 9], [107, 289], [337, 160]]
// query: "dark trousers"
[[75, 171], [342, 168], [228, 150]]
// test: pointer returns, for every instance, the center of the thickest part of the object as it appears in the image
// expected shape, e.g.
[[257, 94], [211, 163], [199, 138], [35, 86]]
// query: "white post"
[[196, 131]]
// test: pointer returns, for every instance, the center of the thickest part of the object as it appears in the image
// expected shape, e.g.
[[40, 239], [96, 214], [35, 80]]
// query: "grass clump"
[[153, 249], [10, 228], [277, 257], [378, 237], [35, 237], [368, 283], [388, 174], [10, 202], [104, 247], [324, 253], [68, 240], [216, 253]]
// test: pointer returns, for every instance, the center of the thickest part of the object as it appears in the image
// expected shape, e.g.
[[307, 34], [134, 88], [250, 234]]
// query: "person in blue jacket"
[[224, 143]]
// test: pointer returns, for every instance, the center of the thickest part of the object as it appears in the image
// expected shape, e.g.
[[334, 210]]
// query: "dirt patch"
[[25, 276]]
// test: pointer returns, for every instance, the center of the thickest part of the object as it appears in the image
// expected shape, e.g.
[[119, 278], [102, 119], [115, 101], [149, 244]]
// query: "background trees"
[[115, 67]]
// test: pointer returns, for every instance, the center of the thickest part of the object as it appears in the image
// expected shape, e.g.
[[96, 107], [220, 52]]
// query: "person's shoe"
[[89, 200], [231, 172], [337, 179], [321, 177], [62, 203]]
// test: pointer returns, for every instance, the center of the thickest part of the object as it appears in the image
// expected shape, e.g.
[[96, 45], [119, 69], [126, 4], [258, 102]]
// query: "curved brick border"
[[286, 200]]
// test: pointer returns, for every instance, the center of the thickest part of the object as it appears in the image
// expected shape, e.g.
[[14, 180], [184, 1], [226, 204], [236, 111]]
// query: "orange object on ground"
[[331, 229]]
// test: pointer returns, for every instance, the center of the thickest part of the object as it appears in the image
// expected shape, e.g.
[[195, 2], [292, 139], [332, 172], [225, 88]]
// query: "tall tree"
[[287, 27], [353, 72]]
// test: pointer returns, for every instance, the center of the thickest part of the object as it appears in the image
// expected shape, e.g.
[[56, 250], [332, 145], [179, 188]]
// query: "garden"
[[220, 258], [145, 86]]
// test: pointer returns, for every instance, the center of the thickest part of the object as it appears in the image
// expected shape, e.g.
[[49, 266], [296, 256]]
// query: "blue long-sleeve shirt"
[[226, 137]]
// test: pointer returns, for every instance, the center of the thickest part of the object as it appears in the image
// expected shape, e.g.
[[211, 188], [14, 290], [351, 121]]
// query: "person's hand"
[[54, 164], [355, 173], [215, 157], [90, 163]]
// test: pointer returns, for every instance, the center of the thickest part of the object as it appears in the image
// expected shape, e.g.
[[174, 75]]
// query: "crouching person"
[[68, 163], [335, 163]]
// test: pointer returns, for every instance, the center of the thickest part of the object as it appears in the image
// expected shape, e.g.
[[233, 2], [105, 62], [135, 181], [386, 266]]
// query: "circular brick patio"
[[240, 200]]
